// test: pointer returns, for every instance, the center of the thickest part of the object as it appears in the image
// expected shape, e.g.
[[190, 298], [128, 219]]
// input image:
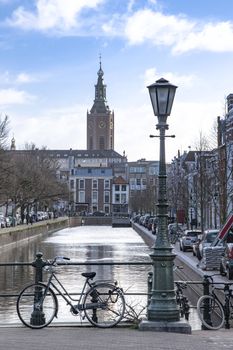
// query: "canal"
[[80, 244]]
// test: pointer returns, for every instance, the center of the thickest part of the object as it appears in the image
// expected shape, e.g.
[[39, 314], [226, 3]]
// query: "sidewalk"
[[88, 338]]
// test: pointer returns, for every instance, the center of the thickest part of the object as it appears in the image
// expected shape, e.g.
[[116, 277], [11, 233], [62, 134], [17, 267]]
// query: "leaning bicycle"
[[212, 311], [102, 303], [182, 300]]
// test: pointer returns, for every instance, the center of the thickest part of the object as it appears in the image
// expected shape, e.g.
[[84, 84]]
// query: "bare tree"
[[32, 180]]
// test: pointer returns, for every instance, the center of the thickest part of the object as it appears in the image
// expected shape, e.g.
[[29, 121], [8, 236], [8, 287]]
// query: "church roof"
[[62, 153]]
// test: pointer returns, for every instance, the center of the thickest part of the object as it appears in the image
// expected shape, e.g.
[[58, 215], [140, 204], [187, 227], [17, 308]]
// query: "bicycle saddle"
[[89, 274]]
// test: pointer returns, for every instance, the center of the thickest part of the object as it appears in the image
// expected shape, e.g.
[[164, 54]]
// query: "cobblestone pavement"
[[85, 338]]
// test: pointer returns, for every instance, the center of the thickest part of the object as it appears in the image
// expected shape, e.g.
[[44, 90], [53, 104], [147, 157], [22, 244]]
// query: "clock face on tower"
[[102, 124]]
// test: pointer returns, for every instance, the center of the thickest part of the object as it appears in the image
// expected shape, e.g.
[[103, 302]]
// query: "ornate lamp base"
[[160, 326]]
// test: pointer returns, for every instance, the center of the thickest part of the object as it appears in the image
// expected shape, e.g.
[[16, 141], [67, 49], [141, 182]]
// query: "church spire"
[[100, 101]]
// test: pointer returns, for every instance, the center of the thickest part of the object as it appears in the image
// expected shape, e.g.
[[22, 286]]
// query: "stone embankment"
[[13, 235]]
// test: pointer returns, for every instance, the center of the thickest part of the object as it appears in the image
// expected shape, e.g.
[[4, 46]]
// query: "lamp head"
[[162, 94]]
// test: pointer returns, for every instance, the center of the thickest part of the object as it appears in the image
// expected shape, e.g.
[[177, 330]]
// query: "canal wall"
[[146, 235], [13, 235], [97, 220]]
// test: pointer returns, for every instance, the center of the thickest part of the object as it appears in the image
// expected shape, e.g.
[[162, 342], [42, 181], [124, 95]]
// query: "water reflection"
[[82, 244]]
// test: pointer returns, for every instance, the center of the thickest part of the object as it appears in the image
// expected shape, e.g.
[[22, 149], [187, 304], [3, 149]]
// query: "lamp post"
[[163, 312]]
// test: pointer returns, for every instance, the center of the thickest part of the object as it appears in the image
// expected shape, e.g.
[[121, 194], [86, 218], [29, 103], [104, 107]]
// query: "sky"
[[49, 58]]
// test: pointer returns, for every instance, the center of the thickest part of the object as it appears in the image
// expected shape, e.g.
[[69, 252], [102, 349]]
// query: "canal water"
[[80, 244]]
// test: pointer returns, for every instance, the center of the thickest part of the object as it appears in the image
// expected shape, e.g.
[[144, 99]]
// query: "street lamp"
[[163, 312]]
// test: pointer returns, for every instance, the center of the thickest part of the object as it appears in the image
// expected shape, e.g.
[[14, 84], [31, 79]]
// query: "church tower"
[[100, 120]]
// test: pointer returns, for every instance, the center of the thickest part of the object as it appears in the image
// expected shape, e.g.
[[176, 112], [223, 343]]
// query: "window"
[[106, 184], [91, 142], [123, 198], [81, 196], [137, 169], [123, 188], [117, 188], [94, 197], [106, 209], [81, 184], [71, 184], [101, 142], [106, 197], [117, 198], [94, 184], [138, 182]]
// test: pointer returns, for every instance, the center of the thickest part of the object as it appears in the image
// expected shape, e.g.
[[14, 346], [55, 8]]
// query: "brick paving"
[[88, 338]]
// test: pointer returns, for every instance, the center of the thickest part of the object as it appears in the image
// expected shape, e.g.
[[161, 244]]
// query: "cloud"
[[69, 131], [25, 78], [178, 32], [187, 120], [12, 97], [216, 37], [51, 14], [7, 78], [151, 75], [156, 27]]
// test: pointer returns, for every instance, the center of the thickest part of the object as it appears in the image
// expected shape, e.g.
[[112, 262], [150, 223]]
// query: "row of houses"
[[200, 182]]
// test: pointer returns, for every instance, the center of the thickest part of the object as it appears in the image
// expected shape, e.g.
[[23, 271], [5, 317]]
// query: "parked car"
[[226, 264], [154, 225], [206, 241], [2, 222], [136, 218], [150, 223], [8, 221], [188, 239], [147, 222], [98, 213]]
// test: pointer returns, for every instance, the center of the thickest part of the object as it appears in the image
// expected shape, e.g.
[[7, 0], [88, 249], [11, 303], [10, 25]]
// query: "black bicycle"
[[101, 302], [182, 300], [212, 311]]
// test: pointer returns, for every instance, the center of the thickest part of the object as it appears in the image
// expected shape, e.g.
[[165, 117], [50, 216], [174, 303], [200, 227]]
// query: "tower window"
[[101, 142], [91, 142]]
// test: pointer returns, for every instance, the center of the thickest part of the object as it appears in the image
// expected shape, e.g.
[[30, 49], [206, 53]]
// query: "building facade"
[[142, 177]]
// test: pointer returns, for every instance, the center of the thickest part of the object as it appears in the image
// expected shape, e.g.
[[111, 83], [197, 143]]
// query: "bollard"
[[206, 291], [149, 287], [227, 306], [94, 299], [39, 263], [38, 316]]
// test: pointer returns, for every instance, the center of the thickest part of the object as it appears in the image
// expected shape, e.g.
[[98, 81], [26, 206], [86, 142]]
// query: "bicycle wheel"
[[210, 312], [35, 308], [104, 305]]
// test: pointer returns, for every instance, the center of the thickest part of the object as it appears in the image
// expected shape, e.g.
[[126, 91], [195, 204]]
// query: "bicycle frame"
[[226, 305], [65, 294]]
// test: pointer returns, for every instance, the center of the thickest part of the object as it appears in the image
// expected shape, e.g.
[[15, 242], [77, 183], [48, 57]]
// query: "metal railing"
[[39, 264]]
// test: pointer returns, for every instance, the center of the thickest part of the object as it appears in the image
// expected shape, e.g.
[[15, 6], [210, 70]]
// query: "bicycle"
[[175, 234], [211, 310], [182, 300], [102, 302]]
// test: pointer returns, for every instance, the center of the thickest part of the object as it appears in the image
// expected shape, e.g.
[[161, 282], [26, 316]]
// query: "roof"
[[75, 153], [119, 180]]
